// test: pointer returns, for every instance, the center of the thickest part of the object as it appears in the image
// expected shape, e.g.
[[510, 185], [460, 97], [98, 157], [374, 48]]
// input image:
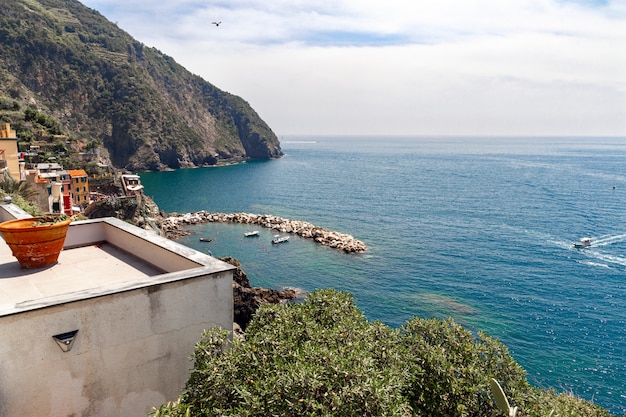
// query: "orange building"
[[8, 151], [79, 185]]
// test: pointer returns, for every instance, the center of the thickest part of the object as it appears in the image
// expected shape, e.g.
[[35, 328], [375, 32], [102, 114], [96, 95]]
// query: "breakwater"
[[340, 241]]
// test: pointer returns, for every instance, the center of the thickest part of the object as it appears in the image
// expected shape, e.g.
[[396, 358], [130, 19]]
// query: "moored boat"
[[280, 240], [252, 233]]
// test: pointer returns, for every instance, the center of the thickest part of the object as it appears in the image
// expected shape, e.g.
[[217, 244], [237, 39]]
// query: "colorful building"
[[132, 185], [79, 185], [8, 151]]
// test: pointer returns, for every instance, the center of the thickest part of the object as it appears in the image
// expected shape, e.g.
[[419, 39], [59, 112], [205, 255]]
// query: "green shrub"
[[323, 358], [449, 369], [316, 358], [21, 193]]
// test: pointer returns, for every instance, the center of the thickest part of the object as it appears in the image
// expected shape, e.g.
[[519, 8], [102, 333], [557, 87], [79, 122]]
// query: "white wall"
[[131, 351]]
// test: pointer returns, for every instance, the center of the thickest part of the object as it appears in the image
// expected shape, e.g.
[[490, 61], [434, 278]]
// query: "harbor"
[[340, 241]]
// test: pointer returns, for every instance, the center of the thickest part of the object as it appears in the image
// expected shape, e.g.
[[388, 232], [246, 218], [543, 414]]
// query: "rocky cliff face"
[[64, 59], [247, 300]]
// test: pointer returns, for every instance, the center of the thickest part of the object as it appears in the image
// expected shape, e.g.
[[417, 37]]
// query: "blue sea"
[[473, 228]]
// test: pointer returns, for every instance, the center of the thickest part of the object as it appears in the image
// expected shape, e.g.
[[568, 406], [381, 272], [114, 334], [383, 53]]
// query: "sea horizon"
[[477, 228]]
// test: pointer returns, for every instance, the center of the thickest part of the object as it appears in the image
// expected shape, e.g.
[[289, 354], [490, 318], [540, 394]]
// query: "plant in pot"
[[36, 241]]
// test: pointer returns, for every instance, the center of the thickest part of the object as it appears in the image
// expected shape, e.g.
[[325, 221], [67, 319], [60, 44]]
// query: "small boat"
[[280, 240], [205, 239], [252, 233], [583, 242]]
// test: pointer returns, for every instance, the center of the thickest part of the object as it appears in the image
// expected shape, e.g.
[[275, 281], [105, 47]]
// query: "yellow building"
[[79, 186], [8, 151]]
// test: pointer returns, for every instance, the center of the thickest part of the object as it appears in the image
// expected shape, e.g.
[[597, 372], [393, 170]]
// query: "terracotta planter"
[[32, 244]]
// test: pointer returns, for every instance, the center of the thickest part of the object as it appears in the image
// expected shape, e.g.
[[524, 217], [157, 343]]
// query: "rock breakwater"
[[336, 240]]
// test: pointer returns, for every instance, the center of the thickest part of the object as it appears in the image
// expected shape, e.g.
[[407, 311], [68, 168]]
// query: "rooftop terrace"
[[109, 329], [100, 257]]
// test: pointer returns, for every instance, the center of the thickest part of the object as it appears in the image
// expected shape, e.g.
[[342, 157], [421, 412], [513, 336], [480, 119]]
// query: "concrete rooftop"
[[78, 270], [100, 257]]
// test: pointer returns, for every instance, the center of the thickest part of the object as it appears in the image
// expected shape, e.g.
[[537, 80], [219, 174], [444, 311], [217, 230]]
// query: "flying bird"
[[216, 23]]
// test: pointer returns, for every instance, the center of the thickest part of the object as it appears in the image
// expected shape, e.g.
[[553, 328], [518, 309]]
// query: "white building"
[[109, 329]]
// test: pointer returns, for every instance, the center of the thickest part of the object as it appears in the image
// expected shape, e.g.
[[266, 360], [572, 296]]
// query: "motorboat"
[[583, 242], [280, 240], [252, 233], [205, 239]]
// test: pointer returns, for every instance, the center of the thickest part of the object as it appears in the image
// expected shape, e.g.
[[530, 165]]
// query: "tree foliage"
[[21, 193], [323, 358]]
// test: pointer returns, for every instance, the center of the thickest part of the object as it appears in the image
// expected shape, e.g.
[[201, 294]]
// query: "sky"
[[401, 67]]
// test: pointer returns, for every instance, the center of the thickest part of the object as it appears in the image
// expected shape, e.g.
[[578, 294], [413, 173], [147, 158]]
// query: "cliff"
[[96, 84], [248, 299]]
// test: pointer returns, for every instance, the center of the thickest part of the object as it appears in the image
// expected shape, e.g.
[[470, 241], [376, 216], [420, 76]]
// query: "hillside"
[[95, 84]]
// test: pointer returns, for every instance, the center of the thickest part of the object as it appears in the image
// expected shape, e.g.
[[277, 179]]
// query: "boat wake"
[[608, 240], [596, 251], [590, 263], [593, 242], [611, 259]]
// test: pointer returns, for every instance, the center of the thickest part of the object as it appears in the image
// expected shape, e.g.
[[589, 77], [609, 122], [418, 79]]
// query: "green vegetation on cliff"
[[97, 83], [323, 358]]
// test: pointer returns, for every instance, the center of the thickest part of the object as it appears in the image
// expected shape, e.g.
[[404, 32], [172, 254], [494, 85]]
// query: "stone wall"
[[336, 240]]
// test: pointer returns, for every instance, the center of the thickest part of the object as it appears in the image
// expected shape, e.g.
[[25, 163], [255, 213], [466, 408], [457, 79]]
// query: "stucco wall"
[[10, 154], [131, 351]]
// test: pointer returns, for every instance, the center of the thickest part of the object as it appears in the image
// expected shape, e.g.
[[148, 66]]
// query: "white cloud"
[[402, 66]]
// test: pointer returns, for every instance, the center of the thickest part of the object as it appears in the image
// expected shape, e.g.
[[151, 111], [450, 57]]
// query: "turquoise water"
[[478, 229]]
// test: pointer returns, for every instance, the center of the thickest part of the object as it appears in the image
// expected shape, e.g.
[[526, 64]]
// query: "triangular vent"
[[65, 340]]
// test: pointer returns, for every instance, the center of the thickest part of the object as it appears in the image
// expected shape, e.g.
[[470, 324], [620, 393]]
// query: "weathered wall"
[[131, 351], [10, 154]]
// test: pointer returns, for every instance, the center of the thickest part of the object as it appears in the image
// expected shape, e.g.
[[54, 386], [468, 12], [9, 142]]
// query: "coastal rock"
[[340, 241], [247, 300]]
